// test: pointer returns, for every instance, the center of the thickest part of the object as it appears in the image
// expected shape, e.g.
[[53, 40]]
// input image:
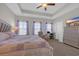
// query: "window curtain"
[[51, 27], [40, 26], [17, 25], [27, 24], [33, 28]]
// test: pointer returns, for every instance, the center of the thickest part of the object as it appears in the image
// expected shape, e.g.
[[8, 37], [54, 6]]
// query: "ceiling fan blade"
[[39, 6], [51, 4]]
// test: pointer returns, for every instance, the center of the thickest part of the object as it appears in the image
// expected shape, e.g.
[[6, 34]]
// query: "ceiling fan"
[[45, 5]]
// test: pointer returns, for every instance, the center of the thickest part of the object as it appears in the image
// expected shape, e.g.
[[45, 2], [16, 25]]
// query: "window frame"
[[47, 27], [25, 28], [34, 27]]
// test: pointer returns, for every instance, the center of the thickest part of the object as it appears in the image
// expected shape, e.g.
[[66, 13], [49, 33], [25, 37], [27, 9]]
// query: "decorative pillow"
[[11, 34], [3, 36]]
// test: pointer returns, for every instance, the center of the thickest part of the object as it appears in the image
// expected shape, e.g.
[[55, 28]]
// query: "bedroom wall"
[[59, 23], [30, 20], [58, 28], [6, 14]]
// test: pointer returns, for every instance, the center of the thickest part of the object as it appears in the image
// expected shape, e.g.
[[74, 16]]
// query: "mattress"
[[25, 46]]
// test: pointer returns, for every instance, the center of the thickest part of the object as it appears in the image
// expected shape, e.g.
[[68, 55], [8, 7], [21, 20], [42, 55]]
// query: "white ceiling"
[[32, 7], [29, 9]]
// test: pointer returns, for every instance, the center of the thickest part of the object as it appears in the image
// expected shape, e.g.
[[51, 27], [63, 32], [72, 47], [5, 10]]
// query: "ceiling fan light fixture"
[[44, 5]]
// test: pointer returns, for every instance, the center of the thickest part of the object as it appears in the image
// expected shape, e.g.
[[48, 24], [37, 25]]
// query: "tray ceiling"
[[29, 9]]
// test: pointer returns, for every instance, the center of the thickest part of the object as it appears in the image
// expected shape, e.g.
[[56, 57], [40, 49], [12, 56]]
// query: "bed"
[[22, 45], [26, 45]]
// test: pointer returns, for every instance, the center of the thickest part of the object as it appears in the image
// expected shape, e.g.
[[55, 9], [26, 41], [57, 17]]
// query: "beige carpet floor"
[[61, 49]]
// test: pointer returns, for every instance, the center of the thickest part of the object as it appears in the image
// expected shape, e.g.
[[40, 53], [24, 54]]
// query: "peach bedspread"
[[25, 46]]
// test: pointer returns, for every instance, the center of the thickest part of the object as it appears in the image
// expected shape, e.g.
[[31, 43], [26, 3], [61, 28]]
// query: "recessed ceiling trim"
[[71, 7], [60, 10], [38, 18], [34, 12], [16, 8], [42, 13]]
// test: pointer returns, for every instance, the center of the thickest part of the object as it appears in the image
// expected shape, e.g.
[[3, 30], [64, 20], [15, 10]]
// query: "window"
[[22, 27], [48, 27], [37, 28]]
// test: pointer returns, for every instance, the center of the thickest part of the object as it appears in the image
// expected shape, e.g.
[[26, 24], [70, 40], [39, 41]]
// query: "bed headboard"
[[4, 26]]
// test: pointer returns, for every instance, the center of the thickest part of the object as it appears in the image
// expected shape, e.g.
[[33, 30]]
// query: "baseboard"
[[71, 46]]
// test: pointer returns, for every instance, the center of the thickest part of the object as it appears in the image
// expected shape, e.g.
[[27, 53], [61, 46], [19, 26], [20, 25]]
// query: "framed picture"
[[1, 27]]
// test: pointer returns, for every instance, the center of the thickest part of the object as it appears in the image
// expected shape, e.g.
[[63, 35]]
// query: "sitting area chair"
[[40, 33], [47, 36]]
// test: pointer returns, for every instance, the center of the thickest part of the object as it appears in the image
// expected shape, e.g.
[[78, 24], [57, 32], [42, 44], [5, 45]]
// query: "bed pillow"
[[3, 36]]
